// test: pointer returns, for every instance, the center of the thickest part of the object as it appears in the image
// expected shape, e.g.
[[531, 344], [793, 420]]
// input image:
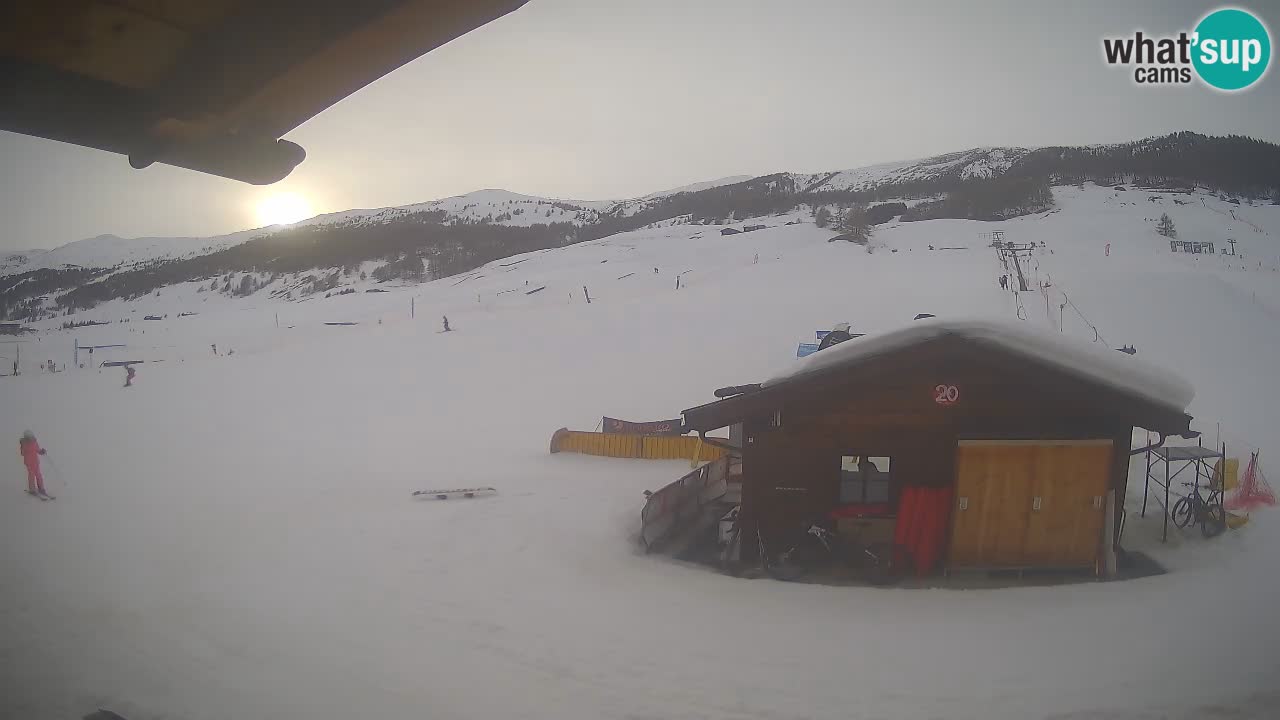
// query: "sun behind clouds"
[[283, 208]]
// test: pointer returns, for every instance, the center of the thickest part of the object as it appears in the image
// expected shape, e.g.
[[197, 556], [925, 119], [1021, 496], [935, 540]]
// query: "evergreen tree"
[[822, 217], [854, 223], [1165, 227]]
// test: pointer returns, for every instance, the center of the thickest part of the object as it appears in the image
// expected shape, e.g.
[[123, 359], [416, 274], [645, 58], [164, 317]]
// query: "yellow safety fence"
[[1228, 480], [670, 447]]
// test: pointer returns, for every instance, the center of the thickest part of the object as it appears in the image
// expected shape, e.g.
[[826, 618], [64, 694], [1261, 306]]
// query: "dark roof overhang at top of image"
[[209, 85]]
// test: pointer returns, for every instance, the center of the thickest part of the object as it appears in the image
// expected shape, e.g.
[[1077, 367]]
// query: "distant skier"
[[446, 322], [129, 372], [31, 452], [1004, 282], [214, 347]]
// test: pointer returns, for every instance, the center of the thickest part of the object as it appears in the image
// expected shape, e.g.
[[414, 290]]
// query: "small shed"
[[976, 444]]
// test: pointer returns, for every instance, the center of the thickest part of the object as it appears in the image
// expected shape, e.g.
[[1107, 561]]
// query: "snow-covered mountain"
[[501, 207], [1184, 158], [983, 163], [695, 187], [110, 251], [18, 259]]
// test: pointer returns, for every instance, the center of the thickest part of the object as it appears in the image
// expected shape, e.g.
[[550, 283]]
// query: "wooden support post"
[[1109, 536], [1146, 479], [1165, 536]]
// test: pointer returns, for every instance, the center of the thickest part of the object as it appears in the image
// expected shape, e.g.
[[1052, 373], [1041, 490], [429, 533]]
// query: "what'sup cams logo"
[[1229, 50]]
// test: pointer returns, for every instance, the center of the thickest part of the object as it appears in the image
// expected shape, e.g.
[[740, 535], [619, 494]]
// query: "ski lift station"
[[975, 444]]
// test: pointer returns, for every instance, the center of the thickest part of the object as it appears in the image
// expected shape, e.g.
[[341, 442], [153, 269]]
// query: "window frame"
[[890, 489]]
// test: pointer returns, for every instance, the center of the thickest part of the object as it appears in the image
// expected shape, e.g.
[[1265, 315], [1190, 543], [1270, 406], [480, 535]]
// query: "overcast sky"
[[593, 99]]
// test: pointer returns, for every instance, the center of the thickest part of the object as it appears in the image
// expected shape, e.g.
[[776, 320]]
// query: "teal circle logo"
[[1232, 49]]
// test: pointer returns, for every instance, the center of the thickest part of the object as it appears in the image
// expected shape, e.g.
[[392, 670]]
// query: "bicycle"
[[813, 545], [1195, 508]]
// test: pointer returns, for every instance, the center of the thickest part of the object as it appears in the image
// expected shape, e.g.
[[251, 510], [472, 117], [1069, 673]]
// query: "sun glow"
[[283, 208]]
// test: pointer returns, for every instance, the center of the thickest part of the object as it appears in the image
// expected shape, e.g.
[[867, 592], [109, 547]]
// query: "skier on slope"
[[31, 452], [129, 372]]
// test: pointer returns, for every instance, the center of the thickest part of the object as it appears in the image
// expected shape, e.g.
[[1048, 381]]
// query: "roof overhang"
[[871, 369], [209, 85]]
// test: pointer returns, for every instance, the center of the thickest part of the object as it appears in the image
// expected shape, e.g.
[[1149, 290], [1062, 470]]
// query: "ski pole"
[[62, 479]]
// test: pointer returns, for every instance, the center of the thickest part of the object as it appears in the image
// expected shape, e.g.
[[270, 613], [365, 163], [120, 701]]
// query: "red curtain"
[[924, 515]]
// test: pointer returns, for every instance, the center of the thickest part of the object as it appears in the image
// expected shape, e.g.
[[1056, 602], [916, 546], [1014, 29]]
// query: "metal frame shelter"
[[75, 360], [17, 361], [1189, 456]]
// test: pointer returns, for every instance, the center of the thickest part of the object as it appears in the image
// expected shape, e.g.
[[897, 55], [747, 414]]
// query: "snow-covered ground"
[[234, 536]]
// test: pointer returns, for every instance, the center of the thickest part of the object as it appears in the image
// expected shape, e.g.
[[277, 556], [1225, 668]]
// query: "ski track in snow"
[[234, 536]]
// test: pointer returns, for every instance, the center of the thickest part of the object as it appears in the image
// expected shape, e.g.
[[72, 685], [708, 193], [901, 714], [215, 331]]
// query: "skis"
[[456, 492], [43, 498]]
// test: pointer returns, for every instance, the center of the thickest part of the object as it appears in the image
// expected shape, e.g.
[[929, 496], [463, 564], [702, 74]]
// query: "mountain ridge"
[[505, 207], [453, 235]]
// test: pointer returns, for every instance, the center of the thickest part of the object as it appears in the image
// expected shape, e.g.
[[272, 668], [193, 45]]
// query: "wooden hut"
[[976, 444]]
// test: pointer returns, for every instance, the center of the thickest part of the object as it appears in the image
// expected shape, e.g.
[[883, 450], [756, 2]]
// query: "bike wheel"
[[886, 563], [1182, 512], [1214, 522], [791, 560]]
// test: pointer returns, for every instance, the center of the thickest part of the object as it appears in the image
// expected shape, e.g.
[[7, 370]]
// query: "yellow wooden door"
[[993, 492], [1071, 482]]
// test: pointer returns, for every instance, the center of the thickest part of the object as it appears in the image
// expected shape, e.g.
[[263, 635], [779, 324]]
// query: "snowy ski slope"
[[234, 535]]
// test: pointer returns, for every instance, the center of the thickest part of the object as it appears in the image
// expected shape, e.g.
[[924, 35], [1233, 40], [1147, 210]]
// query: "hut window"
[[864, 479]]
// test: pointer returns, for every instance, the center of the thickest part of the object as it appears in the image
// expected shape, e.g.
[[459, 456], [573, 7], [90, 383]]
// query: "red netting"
[[1254, 491]]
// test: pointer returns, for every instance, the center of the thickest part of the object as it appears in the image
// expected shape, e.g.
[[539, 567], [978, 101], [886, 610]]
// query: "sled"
[[456, 492]]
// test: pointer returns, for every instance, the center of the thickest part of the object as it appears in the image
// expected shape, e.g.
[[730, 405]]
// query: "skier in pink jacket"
[[31, 452]]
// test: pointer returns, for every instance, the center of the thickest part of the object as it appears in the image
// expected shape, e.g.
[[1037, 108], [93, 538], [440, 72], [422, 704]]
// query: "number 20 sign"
[[946, 394]]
